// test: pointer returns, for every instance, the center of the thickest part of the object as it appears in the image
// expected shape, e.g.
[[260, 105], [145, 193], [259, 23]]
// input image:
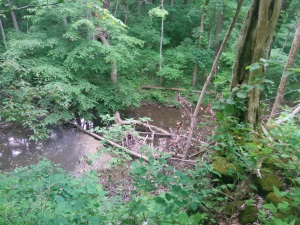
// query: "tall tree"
[[3, 34], [195, 72], [253, 44], [13, 16], [212, 72], [220, 20], [285, 75]]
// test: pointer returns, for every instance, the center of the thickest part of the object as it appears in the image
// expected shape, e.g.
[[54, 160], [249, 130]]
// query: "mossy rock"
[[272, 198], [248, 215], [273, 163], [222, 166], [233, 207], [268, 180]]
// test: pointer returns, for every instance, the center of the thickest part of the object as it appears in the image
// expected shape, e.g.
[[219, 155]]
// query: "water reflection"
[[64, 147]]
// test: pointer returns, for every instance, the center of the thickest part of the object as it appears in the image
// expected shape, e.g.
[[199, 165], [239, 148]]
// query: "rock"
[[222, 166], [268, 180], [272, 198], [248, 215]]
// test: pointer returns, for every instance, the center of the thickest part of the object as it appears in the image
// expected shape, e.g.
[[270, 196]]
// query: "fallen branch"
[[150, 127], [289, 116], [110, 142], [171, 89], [201, 151], [184, 160]]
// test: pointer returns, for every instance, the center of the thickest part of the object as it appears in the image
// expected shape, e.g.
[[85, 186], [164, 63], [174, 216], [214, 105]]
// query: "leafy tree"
[[57, 71]]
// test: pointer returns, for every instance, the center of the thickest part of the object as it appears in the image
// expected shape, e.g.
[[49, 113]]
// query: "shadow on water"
[[65, 147]]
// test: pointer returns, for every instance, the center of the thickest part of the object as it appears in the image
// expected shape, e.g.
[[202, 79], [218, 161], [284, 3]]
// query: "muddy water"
[[67, 145], [164, 117]]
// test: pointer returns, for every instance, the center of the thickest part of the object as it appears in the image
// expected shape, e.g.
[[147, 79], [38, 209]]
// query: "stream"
[[66, 146]]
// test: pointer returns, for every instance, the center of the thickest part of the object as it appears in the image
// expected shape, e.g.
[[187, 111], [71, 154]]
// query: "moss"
[[248, 215], [273, 163], [222, 166], [272, 198], [268, 180], [233, 207]]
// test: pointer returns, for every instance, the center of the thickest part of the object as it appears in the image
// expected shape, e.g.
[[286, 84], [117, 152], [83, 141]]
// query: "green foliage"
[[179, 196], [286, 211], [56, 70], [45, 194]]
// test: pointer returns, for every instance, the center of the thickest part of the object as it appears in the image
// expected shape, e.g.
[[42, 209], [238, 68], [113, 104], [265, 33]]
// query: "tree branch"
[[110, 142]]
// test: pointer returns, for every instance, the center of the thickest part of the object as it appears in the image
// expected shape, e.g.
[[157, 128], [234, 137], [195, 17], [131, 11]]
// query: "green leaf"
[[260, 87], [196, 218], [160, 200], [242, 94], [168, 196], [176, 189], [268, 81], [271, 207], [276, 191], [283, 207], [183, 218], [194, 206], [253, 67], [230, 101], [235, 89]]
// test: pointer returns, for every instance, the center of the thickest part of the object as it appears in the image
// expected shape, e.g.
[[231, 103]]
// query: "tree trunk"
[[3, 34], [218, 32], [195, 73], [211, 29], [106, 4], [284, 78], [161, 44], [254, 41], [212, 72], [13, 16]]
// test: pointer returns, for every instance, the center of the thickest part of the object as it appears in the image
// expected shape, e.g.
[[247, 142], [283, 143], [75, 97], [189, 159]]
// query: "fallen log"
[[150, 127], [110, 142], [171, 89], [289, 116]]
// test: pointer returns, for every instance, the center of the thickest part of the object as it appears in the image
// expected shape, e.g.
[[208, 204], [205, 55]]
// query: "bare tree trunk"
[[171, 2], [13, 16], [161, 43], [116, 9], [195, 73], [254, 41], [3, 36], [65, 21], [106, 4], [285, 78], [218, 32], [211, 29], [212, 71], [286, 39]]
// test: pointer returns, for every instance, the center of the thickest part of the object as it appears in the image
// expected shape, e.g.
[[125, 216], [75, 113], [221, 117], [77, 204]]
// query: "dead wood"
[[201, 151], [289, 116], [150, 127], [171, 89], [110, 142]]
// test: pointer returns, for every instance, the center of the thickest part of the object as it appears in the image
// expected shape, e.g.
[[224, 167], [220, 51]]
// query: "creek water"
[[67, 145], [64, 147]]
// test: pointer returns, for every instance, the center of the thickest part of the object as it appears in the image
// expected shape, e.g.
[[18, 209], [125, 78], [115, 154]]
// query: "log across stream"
[[67, 145]]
